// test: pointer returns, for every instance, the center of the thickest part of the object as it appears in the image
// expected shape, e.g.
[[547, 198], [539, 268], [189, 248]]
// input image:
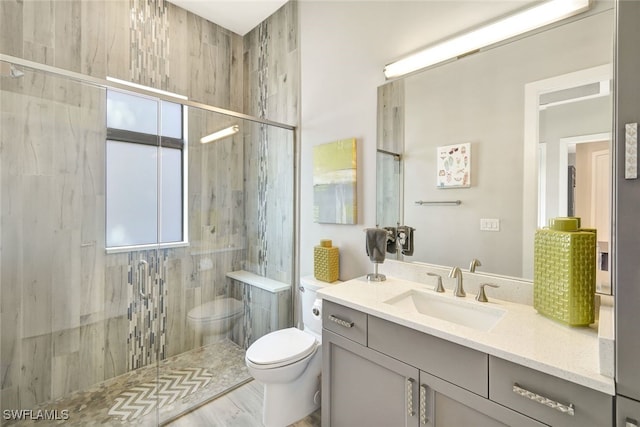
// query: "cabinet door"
[[361, 387], [442, 404], [627, 412]]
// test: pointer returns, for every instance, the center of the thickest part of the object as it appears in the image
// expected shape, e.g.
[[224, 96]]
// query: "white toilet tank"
[[309, 286]]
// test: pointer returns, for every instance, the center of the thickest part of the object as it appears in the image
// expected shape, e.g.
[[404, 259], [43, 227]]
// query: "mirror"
[[526, 100]]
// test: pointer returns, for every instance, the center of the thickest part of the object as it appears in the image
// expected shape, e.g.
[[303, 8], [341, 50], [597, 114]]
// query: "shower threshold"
[[155, 394]]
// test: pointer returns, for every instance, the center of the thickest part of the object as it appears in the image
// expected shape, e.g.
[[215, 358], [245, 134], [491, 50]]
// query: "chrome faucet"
[[457, 273], [474, 263]]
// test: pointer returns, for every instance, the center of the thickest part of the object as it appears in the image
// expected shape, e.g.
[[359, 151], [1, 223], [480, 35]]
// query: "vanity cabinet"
[[382, 386], [546, 398]]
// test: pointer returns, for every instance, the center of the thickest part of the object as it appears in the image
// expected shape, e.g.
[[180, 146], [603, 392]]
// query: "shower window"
[[145, 186]]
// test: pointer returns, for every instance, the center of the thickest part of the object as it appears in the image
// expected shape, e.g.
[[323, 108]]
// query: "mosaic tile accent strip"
[[264, 312], [263, 148], [149, 43], [147, 311], [141, 400]]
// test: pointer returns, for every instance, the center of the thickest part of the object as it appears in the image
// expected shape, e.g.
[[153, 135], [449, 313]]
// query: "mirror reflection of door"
[[574, 146], [592, 196]]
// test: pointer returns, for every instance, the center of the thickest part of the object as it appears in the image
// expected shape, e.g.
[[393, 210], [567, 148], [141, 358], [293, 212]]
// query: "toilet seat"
[[218, 309], [281, 348]]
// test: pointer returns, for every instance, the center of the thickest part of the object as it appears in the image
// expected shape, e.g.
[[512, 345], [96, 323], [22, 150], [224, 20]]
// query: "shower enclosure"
[[116, 223]]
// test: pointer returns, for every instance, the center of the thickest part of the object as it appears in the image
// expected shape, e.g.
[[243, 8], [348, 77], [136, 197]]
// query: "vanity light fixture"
[[231, 130], [470, 42]]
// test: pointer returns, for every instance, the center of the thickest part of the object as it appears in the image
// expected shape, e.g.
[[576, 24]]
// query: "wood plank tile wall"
[[64, 303]]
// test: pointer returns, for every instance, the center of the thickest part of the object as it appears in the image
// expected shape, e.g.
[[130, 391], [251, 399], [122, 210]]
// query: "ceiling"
[[445, 17], [239, 16]]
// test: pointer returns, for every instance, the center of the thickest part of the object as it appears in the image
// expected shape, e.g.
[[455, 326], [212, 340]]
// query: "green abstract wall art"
[[334, 182]]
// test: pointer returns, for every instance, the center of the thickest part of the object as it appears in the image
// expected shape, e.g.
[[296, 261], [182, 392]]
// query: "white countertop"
[[522, 335]]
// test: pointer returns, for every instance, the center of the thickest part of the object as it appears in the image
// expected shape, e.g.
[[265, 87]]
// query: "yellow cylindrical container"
[[326, 261]]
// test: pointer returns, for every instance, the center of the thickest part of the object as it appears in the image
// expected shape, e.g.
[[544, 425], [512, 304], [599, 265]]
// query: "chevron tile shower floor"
[[152, 394], [140, 400]]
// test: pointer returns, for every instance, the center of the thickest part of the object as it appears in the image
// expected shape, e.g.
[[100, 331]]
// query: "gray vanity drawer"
[[518, 388], [345, 321], [459, 365]]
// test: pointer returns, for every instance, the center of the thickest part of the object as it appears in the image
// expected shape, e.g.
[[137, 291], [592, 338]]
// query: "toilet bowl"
[[213, 320], [289, 362]]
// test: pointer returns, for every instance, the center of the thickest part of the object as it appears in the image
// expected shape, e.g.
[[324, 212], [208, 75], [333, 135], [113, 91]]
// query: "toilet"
[[213, 320], [288, 362]]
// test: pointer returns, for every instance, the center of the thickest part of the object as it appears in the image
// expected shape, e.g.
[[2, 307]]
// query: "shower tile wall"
[[265, 312], [391, 117], [61, 300], [185, 54], [271, 67], [70, 310]]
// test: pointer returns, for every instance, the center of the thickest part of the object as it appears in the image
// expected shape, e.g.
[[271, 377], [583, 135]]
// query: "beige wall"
[[584, 190]]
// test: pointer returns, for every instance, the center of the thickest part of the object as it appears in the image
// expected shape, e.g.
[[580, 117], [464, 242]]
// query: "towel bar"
[[438, 202]]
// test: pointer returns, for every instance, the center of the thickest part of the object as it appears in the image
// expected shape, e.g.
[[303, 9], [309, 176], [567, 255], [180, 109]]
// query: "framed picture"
[[334, 182], [454, 166]]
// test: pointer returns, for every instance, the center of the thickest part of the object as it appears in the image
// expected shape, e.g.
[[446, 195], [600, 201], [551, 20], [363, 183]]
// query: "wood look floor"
[[240, 408]]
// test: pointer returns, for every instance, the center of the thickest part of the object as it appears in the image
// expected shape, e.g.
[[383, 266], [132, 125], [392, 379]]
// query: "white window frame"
[[185, 178]]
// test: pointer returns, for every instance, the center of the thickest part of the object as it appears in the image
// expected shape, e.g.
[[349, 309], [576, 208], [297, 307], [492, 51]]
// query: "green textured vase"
[[564, 275]]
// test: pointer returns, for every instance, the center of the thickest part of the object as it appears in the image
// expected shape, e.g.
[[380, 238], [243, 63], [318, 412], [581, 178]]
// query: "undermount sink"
[[465, 313]]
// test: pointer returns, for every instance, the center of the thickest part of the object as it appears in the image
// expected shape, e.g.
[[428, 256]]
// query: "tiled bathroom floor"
[[240, 408], [155, 393]]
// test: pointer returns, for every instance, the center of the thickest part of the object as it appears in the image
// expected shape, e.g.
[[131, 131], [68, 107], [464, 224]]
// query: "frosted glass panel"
[[132, 186], [171, 195], [134, 113], [171, 120]]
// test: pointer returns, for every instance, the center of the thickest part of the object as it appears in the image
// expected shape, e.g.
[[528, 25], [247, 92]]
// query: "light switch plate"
[[489, 224]]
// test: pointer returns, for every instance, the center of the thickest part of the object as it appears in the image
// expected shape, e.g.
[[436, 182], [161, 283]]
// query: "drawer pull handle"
[[565, 409], [340, 321], [423, 405], [410, 410]]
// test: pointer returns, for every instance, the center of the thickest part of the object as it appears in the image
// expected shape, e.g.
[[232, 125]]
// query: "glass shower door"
[[145, 204], [66, 305], [115, 247]]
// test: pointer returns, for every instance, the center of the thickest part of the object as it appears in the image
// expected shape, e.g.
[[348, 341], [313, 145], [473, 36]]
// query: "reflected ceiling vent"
[[575, 94]]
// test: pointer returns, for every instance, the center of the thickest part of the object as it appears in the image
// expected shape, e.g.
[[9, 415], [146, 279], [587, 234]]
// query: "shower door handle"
[[142, 286]]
